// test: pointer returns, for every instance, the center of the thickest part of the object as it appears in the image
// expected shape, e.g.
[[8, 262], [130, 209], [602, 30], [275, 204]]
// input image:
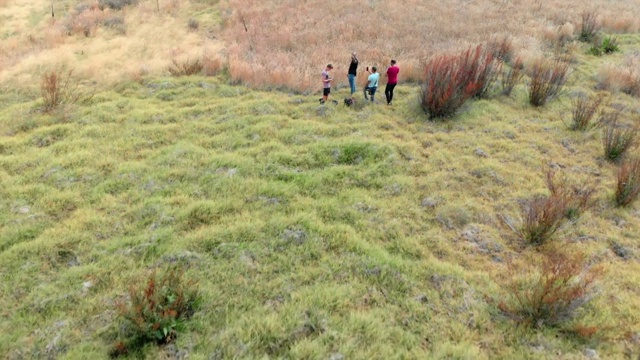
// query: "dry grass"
[[287, 43], [623, 77], [126, 44]]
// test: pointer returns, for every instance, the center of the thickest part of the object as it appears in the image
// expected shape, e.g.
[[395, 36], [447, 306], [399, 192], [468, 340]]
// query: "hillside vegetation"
[[278, 228]]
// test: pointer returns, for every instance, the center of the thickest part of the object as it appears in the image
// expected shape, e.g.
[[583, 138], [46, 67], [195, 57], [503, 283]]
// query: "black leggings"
[[388, 92]]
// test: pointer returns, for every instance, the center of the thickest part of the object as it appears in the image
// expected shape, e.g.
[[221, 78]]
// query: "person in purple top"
[[392, 81]]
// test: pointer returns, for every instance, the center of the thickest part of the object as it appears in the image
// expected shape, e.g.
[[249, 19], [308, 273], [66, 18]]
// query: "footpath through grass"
[[312, 231]]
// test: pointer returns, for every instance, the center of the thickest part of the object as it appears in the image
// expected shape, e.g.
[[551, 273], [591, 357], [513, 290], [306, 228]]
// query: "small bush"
[[58, 88], [547, 80], [595, 50], [584, 111], [501, 47], [628, 182], [185, 68], [156, 311], [116, 4], [552, 292], [617, 139], [211, 65], [512, 77], [544, 216], [193, 24], [589, 26], [623, 77], [453, 79], [610, 45]]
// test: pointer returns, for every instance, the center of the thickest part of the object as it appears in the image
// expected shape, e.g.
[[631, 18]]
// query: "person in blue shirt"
[[372, 86]]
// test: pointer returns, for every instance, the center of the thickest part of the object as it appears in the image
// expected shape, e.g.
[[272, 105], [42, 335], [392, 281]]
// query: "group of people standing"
[[372, 80]]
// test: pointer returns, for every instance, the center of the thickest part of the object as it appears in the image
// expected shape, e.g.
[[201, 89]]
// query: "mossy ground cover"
[[312, 231]]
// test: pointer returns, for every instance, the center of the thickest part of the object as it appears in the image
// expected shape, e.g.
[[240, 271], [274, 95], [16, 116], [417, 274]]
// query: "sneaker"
[[321, 101]]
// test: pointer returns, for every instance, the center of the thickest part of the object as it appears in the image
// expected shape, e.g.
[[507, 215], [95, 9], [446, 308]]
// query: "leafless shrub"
[[501, 47], [116, 4], [547, 80], [544, 216], [193, 24], [550, 293], [589, 26], [211, 64], [584, 110], [628, 182], [452, 79], [59, 88], [511, 77], [185, 68], [617, 138], [623, 77]]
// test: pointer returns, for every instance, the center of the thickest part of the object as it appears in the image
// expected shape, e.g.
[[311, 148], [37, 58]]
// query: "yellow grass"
[[104, 55]]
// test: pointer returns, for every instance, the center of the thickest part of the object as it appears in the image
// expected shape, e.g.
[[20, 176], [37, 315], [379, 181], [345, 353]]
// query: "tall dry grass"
[[623, 77], [123, 45], [287, 43]]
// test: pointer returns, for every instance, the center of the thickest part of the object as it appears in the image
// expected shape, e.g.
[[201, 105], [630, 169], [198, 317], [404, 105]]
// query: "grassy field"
[[313, 232]]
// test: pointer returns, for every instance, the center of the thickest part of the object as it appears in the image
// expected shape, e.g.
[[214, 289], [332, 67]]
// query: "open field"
[[312, 232], [287, 43]]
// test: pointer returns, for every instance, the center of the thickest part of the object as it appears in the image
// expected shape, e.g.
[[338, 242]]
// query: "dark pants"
[[388, 92], [371, 91]]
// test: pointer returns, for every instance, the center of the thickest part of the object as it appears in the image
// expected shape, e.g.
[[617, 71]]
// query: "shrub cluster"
[[511, 77], [185, 68], [589, 26], [116, 4], [608, 46], [617, 138], [551, 292], [58, 88], [547, 81], [584, 112], [453, 79], [628, 182], [156, 311], [544, 216]]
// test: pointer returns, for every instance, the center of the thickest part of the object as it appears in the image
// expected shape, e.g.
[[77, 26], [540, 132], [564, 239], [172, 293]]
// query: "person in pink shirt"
[[392, 81]]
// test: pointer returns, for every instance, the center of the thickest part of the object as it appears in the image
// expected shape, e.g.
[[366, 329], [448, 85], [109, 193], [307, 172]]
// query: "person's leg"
[[390, 96], [325, 94], [352, 83], [366, 89], [373, 92], [387, 93]]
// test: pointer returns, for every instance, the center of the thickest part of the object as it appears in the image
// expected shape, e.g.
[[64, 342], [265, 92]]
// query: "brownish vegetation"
[[617, 138], [156, 310], [589, 26], [453, 79], [584, 110], [58, 88], [544, 216], [547, 80], [628, 182], [623, 77], [185, 67], [511, 77], [551, 292], [272, 45]]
